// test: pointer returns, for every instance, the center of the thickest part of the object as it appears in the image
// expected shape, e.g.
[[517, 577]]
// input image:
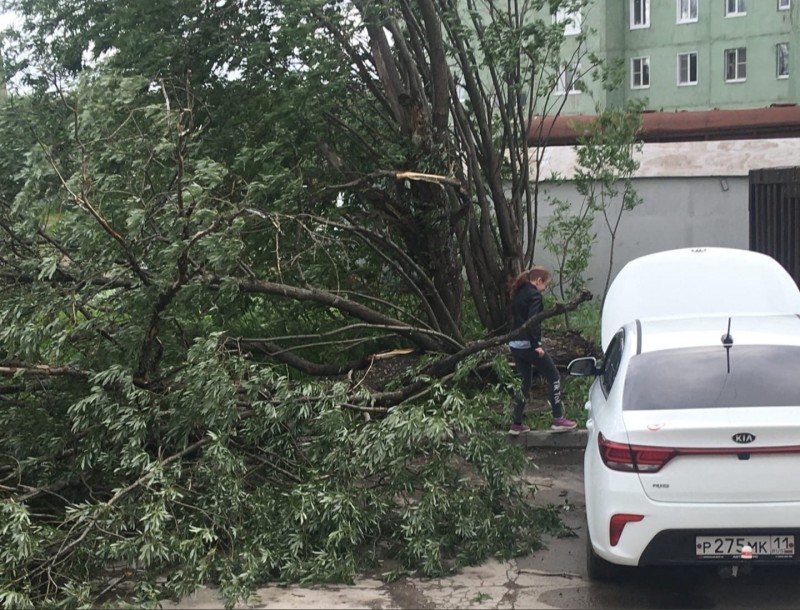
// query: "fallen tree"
[[202, 241]]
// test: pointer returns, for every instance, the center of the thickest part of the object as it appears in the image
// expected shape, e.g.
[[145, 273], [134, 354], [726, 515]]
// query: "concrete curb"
[[544, 439]]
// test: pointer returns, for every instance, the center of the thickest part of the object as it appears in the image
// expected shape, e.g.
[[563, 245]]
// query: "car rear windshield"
[[744, 376]]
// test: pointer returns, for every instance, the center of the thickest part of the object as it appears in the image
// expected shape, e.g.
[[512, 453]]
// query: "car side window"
[[611, 361]]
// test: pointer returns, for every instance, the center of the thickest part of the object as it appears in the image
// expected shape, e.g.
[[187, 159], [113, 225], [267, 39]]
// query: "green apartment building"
[[687, 55], [720, 80]]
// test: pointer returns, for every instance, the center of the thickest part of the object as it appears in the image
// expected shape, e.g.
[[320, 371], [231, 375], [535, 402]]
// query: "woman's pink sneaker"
[[562, 424], [517, 428]]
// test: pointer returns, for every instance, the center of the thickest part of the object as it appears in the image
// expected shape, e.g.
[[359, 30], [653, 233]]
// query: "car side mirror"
[[584, 367]]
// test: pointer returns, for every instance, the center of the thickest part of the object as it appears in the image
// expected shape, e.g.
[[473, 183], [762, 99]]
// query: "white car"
[[693, 452]]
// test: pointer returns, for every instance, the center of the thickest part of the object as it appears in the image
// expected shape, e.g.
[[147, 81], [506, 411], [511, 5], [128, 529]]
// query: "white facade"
[[695, 194]]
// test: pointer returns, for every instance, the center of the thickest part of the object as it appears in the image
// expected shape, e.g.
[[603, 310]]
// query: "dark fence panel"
[[775, 216]]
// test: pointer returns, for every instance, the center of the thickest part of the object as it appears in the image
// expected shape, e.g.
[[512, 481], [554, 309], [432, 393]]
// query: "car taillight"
[[633, 458], [618, 523]]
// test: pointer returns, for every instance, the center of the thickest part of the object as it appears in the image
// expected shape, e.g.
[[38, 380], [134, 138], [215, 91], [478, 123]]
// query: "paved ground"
[[551, 578]]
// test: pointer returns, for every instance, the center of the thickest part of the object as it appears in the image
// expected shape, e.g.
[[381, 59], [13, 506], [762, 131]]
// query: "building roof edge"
[[777, 121]]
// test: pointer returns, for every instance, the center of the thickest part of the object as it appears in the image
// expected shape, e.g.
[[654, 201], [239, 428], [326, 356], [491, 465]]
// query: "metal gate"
[[775, 216]]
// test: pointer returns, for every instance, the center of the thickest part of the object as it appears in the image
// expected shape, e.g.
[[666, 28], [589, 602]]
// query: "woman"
[[527, 351]]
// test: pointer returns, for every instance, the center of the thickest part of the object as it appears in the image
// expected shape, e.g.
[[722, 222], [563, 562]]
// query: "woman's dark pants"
[[527, 360]]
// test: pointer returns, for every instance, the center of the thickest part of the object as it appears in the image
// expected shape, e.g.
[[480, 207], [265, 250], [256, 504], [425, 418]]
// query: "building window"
[[640, 72], [640, 14], [687, 69], [784, 5], [782, 57], [569, 80], [571, 19], [735, 8], [687, 11], [735, 65]]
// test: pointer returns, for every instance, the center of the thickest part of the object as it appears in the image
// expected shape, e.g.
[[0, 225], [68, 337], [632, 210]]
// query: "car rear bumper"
[[667, 533], [677, 547]]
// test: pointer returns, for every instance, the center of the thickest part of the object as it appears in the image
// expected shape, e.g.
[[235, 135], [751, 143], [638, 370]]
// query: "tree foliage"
[[603, 182], [212, 215]]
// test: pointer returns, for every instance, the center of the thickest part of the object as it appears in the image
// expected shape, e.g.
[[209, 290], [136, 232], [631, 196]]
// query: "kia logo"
[[743, 437]]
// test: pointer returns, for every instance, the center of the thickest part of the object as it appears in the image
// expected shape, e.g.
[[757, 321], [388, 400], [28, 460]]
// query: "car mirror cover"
[[583, 367]]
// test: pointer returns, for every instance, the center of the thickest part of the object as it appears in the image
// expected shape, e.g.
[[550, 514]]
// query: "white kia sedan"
[[693, 455]]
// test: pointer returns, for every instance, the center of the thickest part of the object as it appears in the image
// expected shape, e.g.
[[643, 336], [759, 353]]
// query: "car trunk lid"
[[667, 284], [715, 454]]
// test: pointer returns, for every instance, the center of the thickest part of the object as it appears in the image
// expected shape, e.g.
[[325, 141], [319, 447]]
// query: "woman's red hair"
[[531, 274]]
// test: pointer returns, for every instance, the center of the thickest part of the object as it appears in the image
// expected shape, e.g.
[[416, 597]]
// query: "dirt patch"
[[405, 595]]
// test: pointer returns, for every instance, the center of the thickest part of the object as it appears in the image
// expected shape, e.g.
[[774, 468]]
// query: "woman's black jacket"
[[527, 303]]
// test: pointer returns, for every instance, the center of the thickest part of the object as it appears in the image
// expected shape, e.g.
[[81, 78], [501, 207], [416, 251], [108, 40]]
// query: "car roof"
[[708, 331], [697, 282]]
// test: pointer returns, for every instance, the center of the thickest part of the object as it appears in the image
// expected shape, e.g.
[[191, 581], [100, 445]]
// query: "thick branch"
[[447, 365], [62, 277], [422, 338], [20, 368], [440, 71], [281, 354], [404, 175]]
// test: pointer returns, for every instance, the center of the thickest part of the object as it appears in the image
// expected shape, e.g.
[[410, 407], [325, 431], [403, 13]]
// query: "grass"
[[585, 320]]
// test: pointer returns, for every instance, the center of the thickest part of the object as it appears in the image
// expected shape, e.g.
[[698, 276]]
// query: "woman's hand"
[[540, 351]]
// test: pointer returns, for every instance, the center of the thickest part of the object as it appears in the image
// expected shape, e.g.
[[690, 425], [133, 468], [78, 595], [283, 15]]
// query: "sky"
[[6, 19]]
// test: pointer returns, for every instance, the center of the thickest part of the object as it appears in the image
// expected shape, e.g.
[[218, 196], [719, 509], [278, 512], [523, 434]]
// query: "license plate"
[[730, 547]]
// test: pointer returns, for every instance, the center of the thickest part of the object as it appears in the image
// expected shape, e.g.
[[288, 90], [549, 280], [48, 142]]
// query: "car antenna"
[[727, 343]]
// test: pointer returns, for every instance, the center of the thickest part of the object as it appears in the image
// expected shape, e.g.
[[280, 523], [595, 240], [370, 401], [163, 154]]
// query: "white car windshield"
[[709, 377]]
